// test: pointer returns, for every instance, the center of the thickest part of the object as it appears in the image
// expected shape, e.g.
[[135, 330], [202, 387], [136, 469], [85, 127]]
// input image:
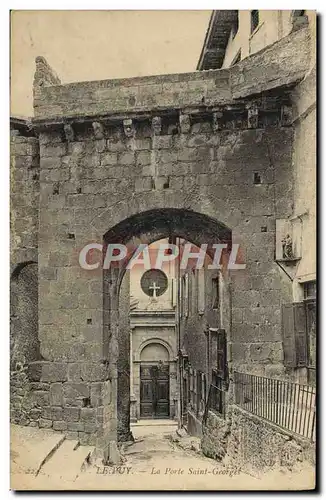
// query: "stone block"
[[90, 428], [127, 158], [162, 182], [72, 435], [86, 439], [265, 352], [162, 142], [203, 153], [143, 144], [239, 352], [35, 371], [54, 372], [56, 413], [88, 415], [143, 184], [166, 156], [46, 413], [56, 394], [49, 150], [35, 413], [143, 158], [96, 394], [76, 426], [109, 159], [41, 398], [48, 273], [88, 372], [71, 414], [60, 425], [76, 390], [100, 145], [50, 163], [116, 145], [47, 424]]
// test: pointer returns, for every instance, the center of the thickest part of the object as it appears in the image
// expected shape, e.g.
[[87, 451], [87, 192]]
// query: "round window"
[[154, 282]]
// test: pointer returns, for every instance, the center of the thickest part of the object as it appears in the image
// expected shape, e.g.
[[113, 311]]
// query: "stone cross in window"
[[155, 288]]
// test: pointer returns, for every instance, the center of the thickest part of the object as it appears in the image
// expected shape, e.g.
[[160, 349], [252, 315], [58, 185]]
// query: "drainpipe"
[[178, 321]]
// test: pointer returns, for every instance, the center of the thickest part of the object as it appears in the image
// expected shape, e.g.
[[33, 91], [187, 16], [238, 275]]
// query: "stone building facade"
[[153, 391], [209, 157]]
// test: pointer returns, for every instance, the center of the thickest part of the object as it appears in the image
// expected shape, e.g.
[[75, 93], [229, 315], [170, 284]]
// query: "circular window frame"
[[161, 276]]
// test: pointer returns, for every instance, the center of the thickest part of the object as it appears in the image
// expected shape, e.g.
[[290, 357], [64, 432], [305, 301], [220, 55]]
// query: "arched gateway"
[[144, 228], [131, 161]]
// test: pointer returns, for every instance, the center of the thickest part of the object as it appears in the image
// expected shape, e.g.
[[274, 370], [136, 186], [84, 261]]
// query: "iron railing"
[[287, 404]]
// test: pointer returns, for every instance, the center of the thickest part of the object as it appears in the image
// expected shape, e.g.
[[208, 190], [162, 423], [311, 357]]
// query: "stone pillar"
[[124, 372]]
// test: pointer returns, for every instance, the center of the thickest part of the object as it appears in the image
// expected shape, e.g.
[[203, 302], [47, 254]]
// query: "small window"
[[310, 290], [254, 20], [154, 282]]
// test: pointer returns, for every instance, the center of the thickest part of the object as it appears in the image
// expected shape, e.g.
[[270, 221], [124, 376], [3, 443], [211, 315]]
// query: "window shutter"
[[221, 354], [289, 348], [201, 291], [300, 333]]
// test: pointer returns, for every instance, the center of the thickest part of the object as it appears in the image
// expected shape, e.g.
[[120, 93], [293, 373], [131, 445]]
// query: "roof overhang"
[[216, 39]]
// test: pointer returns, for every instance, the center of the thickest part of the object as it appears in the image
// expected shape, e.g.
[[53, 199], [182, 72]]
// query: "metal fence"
[[289, 405]]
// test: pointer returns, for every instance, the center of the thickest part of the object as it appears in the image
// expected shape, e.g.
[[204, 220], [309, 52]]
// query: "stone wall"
[[123, 403], [216, 432], [24, 220], [88, 185], [253, 444], [24, 194], [143, 94]]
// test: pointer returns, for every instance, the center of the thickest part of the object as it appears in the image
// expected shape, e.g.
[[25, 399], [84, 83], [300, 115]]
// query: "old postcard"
[[163, 250]]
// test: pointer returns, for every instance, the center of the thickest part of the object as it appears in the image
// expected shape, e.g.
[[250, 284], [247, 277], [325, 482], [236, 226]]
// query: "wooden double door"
[[154, 391]]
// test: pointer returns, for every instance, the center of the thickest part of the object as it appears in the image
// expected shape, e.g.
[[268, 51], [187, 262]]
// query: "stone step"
[[32, 447], [68, 460], [154, 423]]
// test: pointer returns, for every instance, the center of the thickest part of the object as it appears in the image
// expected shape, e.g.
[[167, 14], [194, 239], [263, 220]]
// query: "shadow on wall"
[[24, 342]]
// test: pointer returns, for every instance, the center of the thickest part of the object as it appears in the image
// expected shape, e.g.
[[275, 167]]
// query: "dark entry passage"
[[154, 391]]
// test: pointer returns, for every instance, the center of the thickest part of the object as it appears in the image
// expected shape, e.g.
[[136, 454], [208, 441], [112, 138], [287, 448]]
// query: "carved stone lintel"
[[286, 115], [157, 125], [253, 116], [129, 128], [98, 130], [69, 132], [184, 121]]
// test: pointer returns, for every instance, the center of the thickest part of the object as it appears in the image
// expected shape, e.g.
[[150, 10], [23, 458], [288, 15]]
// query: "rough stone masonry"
[[205, 156]]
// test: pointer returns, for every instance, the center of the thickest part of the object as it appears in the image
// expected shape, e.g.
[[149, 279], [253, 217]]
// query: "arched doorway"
[[154, 381]]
